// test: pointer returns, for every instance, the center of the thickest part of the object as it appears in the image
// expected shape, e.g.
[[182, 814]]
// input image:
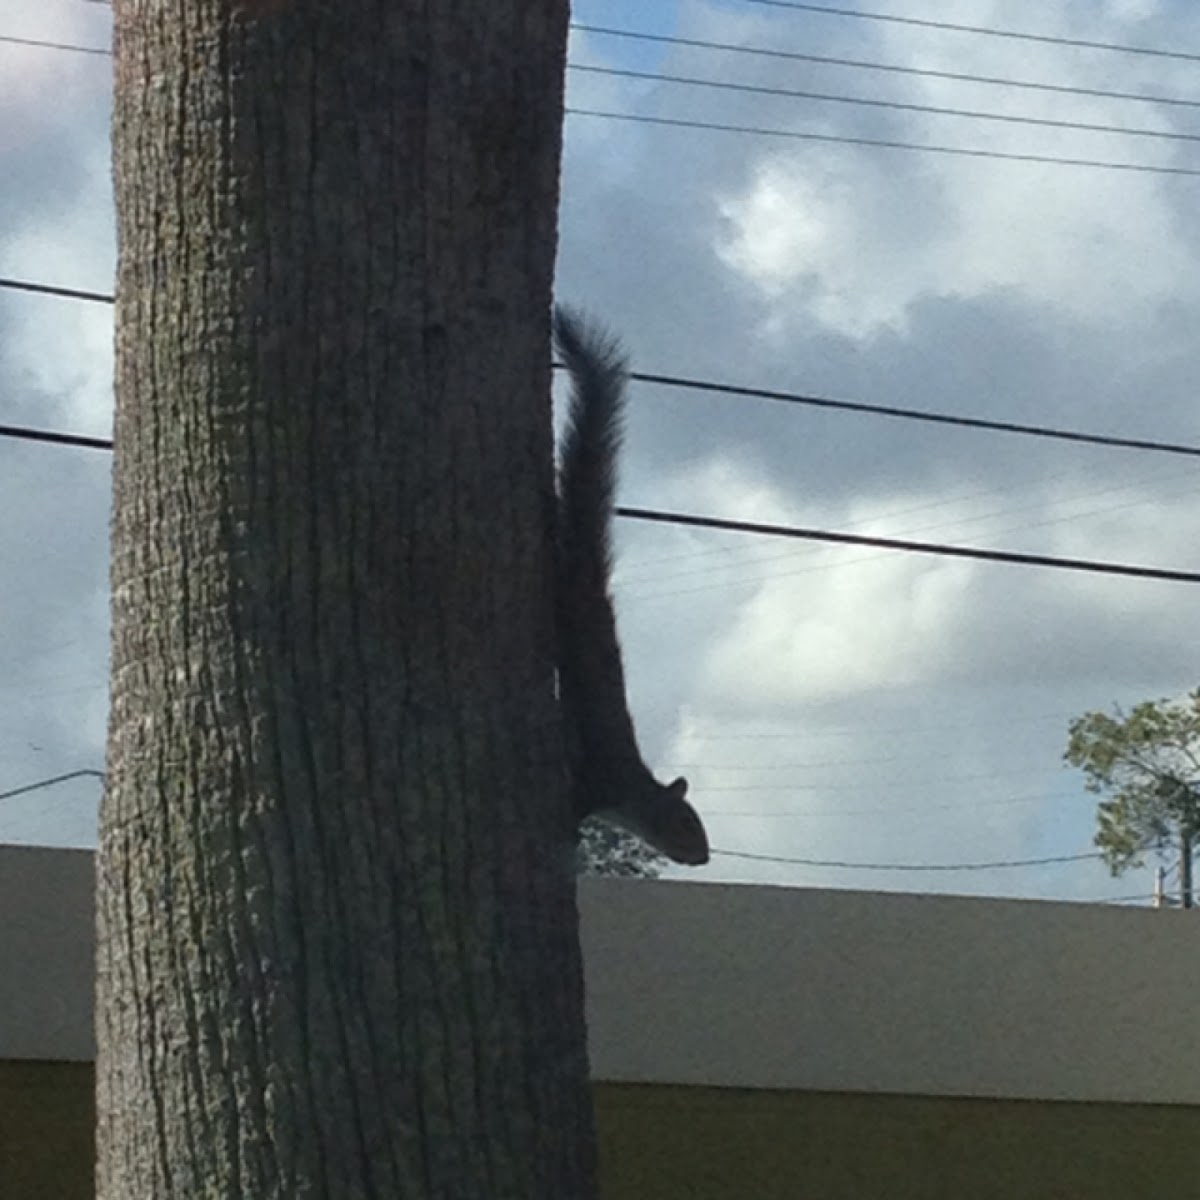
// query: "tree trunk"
[[337, 929]]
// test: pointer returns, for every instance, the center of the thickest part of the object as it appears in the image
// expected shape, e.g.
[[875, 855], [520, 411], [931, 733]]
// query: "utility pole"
[[1185, 866]]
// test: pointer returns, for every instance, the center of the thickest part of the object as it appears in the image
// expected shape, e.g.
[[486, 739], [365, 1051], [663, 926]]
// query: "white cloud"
[[822, 223]]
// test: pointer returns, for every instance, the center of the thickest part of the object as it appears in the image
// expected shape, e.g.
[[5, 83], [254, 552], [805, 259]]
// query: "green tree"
[[337, 948], [1146, 763]]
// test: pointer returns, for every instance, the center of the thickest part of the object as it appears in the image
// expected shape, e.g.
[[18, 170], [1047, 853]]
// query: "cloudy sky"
[[842, 704]]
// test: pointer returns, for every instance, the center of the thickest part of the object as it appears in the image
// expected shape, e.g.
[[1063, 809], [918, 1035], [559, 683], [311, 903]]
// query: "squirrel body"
[[610, 777]]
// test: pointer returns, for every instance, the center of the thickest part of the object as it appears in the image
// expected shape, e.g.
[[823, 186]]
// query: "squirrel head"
[[679, 832]]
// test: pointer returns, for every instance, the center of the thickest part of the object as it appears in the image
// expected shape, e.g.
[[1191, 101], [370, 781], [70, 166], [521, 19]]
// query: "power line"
[[690, 520], [859, 866], [45, 783], [718, 574], [905, 731], [893, 68], [935, 548], [53, 437], [45, 45], [979, 866], [777, 530], [686, 768], [862, 101], [47, 289], [888, 144], [829, 60], [966, 810], [785, 531], [916, 414], [867, 102], [825, 787], [716, 561], [750, 583], [730, 389], [878, 143], [982, 30], [828, 10]]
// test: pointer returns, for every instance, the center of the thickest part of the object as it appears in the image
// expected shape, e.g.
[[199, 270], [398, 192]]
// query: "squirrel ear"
[[677, 788]]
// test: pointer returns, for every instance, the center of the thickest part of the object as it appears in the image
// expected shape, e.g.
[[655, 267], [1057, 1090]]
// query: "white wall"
[[772, 987], [857, 991]]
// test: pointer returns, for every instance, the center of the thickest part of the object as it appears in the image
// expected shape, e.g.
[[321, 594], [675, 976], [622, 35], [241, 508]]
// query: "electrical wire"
[[49, 289], [828, 10], [962, 77], [977, 866], [53, 437], [936, 548], [989, 776], [966, 810], [878, 143], [763, 529], [786, 531], [47, 45], [745, 568], [840, 790], [860, 866], [893, 68], [897, 105], [888, 144], [717, 560], [748, 576], [980, 30], [916, 414], [731, 389], [905, 731], [45, 783]]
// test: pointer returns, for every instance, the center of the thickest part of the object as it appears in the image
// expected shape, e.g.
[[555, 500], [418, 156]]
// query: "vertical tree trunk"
[[337, 942]]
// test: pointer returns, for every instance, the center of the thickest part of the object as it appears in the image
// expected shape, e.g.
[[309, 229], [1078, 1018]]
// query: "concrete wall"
[[865, 992]]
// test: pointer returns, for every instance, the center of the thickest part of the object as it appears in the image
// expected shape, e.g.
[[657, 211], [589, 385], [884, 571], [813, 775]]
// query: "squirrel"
[[610, 778]]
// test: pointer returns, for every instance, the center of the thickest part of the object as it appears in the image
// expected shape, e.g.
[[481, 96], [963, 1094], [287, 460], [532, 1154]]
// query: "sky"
[[832, 704]]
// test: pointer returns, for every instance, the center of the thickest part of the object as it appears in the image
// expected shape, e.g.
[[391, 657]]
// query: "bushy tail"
[[590, 444]]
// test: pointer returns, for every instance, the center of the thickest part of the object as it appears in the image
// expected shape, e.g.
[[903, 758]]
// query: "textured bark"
[[337, 928]]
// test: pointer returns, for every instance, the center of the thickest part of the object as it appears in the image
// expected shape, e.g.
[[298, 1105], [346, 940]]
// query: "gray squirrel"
[[610, 778]]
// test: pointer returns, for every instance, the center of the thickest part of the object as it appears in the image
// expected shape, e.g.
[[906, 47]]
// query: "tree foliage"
[[1146, 765], [606, 849]]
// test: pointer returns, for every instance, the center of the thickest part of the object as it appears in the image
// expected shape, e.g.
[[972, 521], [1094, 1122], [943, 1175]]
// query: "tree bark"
[[336, 913]]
